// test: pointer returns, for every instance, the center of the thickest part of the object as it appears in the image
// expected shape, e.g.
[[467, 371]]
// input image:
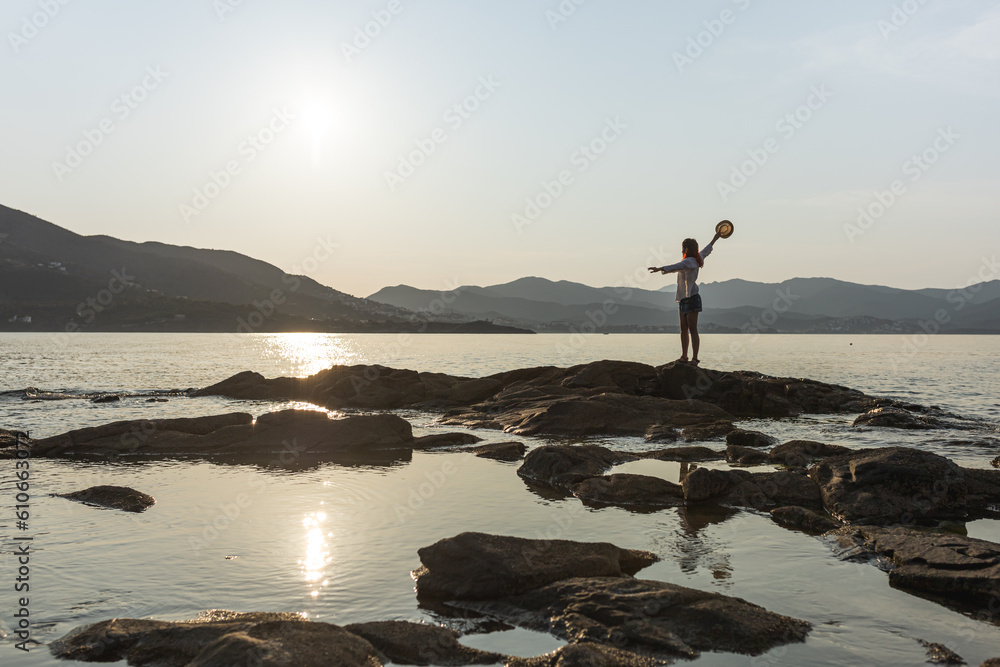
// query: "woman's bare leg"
[[684, 337], [692, 325]]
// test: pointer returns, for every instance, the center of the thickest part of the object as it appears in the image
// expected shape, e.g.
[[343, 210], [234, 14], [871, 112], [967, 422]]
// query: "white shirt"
[[687, 273]]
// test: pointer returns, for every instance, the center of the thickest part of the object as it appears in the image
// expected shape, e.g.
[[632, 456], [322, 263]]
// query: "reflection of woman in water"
[[688, 299]]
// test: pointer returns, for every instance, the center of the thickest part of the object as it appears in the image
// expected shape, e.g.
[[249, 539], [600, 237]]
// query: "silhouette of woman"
[[688, 299]]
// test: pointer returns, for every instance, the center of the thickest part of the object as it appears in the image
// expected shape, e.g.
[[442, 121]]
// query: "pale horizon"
[[289, 124]]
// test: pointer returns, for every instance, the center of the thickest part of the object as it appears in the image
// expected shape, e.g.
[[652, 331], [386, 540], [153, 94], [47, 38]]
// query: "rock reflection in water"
[[691, 546]]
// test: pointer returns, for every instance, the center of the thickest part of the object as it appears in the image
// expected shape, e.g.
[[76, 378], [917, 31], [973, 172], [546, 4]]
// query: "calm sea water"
[[337, 542]]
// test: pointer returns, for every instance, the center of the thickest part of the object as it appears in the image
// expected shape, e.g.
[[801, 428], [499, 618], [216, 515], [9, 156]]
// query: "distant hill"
[[805, 305], [54, 279]]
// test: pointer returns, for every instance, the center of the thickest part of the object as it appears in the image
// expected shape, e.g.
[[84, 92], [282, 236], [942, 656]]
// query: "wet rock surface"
[[892, 417], [630, 491], [500, 451], [745, 489], [288, 434], [608, 397], [562, 466], [658, 618], [477, 566], [942, 565], [891, 485], [220, 640], [745, 455], [711, 431], [112, 497], [744, 438]]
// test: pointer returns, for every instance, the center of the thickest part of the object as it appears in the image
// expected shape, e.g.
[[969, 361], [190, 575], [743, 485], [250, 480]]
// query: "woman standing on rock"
[[688, 298]]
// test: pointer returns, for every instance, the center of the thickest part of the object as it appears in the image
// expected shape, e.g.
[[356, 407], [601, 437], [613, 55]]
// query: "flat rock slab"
[[803, 519], [500, 451], [477, 566], [284, 435], [562, 466], [745, 489], [655, 617], [265, 640], [112, 497], [692, 453], [627, 490], [891, 485], [945, 565]]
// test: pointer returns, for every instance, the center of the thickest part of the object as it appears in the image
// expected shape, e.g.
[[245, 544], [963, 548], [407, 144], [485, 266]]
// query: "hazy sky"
[[122, 118]]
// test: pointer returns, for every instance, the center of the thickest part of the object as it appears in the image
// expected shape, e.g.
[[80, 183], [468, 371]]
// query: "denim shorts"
[[692, 304]]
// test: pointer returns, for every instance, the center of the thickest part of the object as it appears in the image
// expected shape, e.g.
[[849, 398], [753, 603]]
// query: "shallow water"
[[337, 542]]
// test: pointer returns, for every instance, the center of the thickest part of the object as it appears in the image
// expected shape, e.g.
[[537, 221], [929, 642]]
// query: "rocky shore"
[[894, 506]]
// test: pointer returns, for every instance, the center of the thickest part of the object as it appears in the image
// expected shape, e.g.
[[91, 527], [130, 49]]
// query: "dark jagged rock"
[[745, 455], [222, 639], [629, 491], [683, 454], [662, 619], [408, 643], [892, 417], [803, 519], [744, 438], [107, 398], [945, 565], [500, 451], [995, 462], [745, 489], [748, 394], [562, 466], [477, 566], [891, 485], [288, 434], [801, 453], [711, 431], [662, 433], [939, 654], [603, 397], [557, 411], [113, 497]]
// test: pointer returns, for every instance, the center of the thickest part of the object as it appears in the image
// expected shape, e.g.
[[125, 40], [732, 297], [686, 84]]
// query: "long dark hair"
[[690, 247]]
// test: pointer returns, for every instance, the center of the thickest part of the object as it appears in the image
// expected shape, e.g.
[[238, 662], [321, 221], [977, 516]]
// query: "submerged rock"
[[223, 640], [285, 435], [744, 438], [803, 519], [477, 566], [662, 619], [939, 654], [624, 489], [892, 417], [940, 564], [112, 497]]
